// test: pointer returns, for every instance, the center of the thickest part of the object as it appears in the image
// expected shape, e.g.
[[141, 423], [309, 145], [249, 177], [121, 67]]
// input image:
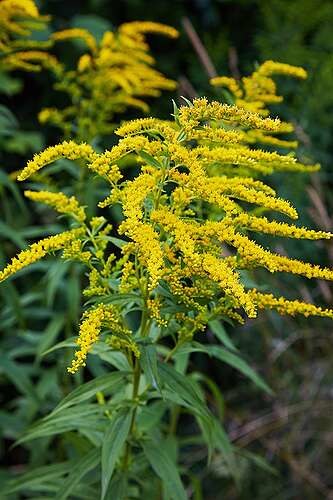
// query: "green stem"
[[135, 392]]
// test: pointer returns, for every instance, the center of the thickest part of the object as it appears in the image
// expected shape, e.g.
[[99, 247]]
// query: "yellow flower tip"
[[37, 251], [81, 33], [202, 110], [60, 202], [93, 320], [290, 307], [269, 68], [67, 149], [148, 27]]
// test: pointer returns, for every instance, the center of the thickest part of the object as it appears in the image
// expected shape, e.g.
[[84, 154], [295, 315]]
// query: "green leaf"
[[150, 415], [18, 375], [12, 234], [50, 334], [114, 358], [64, 343], [149, 364], [150, 159], [219, 331], [6, 181], [35, 478], [181, 386], [113, 442], [258, 460], [165, 468], [88, 416], [119, 243], [89, 389], [188, 102], [215, 390], [8, 122], [79, 470], [118, 487], [229, 358]]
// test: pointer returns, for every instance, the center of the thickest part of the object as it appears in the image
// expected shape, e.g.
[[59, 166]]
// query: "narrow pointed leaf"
[[165, 468], [113, 443], [79, 470]]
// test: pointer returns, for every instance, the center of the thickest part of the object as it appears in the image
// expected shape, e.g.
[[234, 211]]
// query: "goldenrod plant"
[[175, 265], [256, 92], [18, 50], [111, 76]]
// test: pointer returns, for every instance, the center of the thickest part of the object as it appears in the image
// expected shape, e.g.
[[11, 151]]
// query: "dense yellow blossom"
[[18, 18], [69, 150], [191, 117], [263, 225], [116, 73], [81, 33], [256, 92], [62, 203], [186, 231], [93, 320], [136, 28], [37, 251], [290, 307]]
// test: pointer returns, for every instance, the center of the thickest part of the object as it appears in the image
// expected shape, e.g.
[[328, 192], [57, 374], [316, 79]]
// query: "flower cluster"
[[111, 76], [18, 18], [186, 236], [256, 92]]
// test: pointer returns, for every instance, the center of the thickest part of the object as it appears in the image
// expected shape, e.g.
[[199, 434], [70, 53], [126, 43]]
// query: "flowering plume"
[[17, 20], [256, 92], [114, 74], [189, 217]]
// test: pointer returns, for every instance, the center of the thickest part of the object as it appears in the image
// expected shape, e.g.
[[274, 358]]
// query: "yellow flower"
[[60, 202], [93, 320], [69, 150], [37, 251], [76, 33], [291, 307]]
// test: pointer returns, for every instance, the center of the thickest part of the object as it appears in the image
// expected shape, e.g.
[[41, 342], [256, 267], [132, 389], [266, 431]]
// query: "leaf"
[[229, 358], [149, 159], [89, 389], [71, 342], [6, 181], [12, 234], [113, 442], [17, 374], [215, 392], [151, 415], [8, 122], [149, 364], [219, 331], [188, 102], [117, 489], [183, 389], [217, 439], [114, 358], [51, 332], [165, 468], [258, 460], [79, 470], [36, 477], [88, 416], [116, 241]]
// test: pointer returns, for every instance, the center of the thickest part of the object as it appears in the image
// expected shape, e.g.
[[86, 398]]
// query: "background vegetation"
[[293, 429]]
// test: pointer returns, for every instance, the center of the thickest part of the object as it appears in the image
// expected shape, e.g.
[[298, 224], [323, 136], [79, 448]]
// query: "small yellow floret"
[[37, 251], [70, 150], [62, 203]]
